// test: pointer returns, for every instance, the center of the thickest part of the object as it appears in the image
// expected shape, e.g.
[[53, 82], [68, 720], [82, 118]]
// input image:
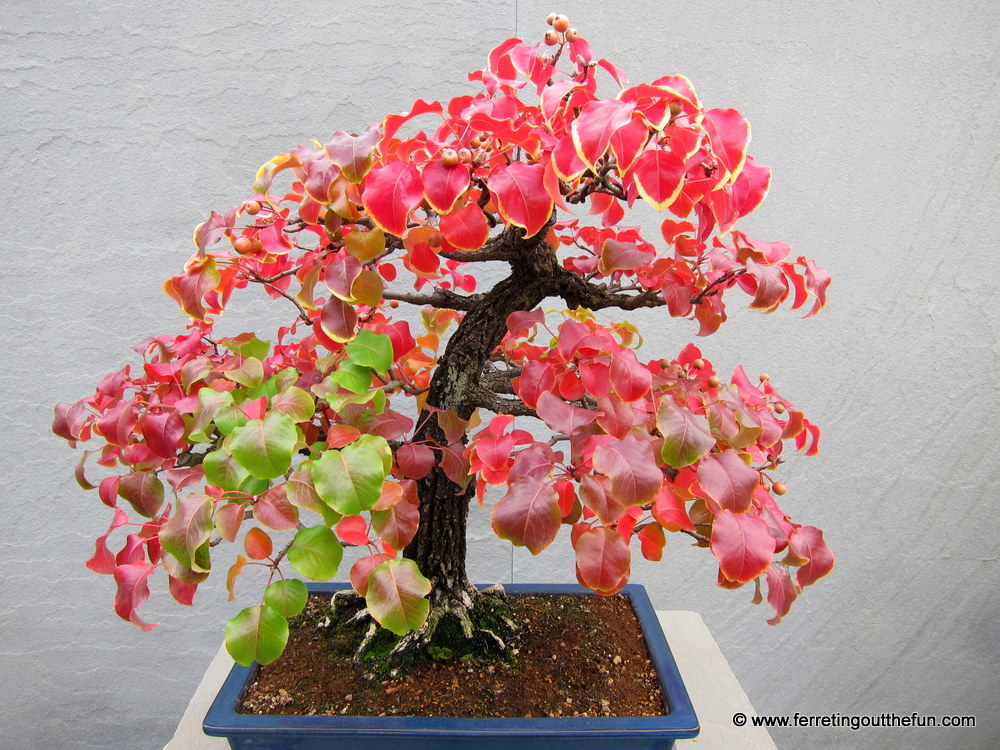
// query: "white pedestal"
[[714, 690]]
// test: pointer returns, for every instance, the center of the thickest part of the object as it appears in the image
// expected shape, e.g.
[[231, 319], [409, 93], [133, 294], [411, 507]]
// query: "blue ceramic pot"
[[245, 731]]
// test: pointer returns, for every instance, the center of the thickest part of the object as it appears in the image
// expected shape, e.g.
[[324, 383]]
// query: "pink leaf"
[[603, 560], [562, 417], [780, 591], [635, 477], [133, 591], [728, 481], [807, 544], [742, 544], [397, 525], [528, 514]]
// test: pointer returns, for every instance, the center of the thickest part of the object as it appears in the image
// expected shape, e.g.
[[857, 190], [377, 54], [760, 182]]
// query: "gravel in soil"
[[576, 656]]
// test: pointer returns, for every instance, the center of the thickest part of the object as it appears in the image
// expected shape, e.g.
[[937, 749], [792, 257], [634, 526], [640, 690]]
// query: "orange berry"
[[434, 240], [550, 18], [779, 488], [243, 245], [698, 364], [464, 154], [572, 35], [713, 381], [764, 377], [551, 38], [252, 207], [450, 157], [560, 24], [779, 408]]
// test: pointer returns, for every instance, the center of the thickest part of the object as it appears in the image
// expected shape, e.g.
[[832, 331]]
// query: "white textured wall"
[[123, 123]]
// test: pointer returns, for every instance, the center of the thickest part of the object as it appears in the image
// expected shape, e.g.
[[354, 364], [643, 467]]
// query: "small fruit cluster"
[[561, 32]]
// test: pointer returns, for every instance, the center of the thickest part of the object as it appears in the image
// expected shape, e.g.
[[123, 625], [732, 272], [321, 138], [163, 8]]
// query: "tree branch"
[[487, 399], [439, 298], [580, 293]]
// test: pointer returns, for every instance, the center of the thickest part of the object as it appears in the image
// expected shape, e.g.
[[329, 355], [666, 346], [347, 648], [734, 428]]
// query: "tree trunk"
[[439, 547]]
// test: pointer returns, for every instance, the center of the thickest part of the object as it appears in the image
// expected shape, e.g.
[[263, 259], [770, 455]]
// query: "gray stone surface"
[[123, 123]]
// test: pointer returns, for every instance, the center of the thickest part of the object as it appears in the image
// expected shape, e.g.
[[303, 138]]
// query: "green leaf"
[[186, 534], [210, 404], [287, 598], [686, 435], [316, 553], [294, 402], [353, 377], [256, 634], [350, 480], [222, 471], [371, 349], [248, 345], [264, 447], [250, 373], [395, 598]]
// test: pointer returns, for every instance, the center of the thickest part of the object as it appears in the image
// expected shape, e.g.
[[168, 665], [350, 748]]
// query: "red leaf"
[[182, 591], [629, 378], [560, 416], [597, 122], [103, 561], [659, 177], [465, 228], [163, 433], [133, 591], [603, 560], [143, 490], [342, 269], [536, 378], [414, 460], [362, 568], [596, 493], [353, 153], [729, 134], [228, 519], [669, 510], [751, 186], [258, 544], [397, 525], [528, 514], [520, 193], [339, 320], [728, 481], [807, 544], [652, 541], [274, 511], [742, 544], [353, 530], [622, 256], [390, 193], [444, 185]]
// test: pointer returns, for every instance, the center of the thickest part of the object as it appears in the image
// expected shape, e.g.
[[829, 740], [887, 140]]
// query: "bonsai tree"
[[356, 424]]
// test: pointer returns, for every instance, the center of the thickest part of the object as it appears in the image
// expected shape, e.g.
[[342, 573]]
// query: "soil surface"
[[576, 656]]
